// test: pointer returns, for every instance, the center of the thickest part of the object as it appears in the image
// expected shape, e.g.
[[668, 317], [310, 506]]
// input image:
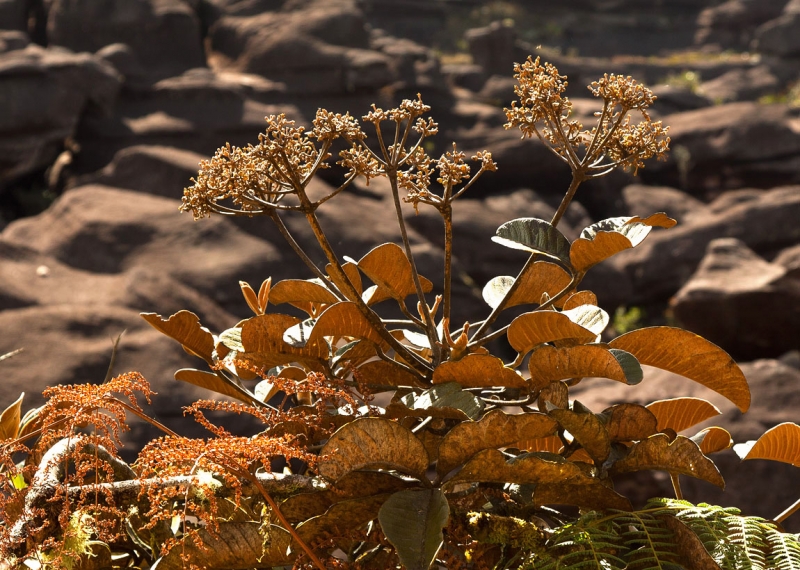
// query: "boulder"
[[676, 99], [44, 94], [731, 24], [790, 259], [159, 170], [14, 15], [643, 200], [164, 35], [730, 146], [741, 302], [111, 231], [11, 40], [660, 265], [493, 47], [779, 37], [742, 85]]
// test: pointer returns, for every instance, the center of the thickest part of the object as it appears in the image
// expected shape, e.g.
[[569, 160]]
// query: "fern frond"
[[784, 550], [651, 545], [589, 543]]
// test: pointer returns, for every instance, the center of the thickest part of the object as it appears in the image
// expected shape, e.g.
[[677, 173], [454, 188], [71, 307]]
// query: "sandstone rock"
[[643, 200], [730, 146], [44, 93], [732, 23], [742, 85], [741, 302], [413, 65], [666, 260], [673, 99], [11, 40], [13, 15], [164, 34], [110, 231], [466, 75], [493, 47], [790, 259], [779, 36]]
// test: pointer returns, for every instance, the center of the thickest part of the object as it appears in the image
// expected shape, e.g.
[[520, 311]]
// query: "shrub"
[[467, 463]]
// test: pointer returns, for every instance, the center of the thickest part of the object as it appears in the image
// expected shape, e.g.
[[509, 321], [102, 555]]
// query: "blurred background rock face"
[[107, 106]]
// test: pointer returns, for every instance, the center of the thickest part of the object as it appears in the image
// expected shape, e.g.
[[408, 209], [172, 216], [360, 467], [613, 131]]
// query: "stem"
[[788, 512], [447, 215], [430, 326], [676, 484], [577, 178], [302, 254]]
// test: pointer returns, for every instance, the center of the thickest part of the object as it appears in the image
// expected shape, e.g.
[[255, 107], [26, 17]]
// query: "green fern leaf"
[[784, 550]]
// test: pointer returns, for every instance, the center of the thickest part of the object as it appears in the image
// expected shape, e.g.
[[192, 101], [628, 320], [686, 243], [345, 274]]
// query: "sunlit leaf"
[[353, 275], [212, 382], [444, 400], [713, 439], [496, 429], [184, 326], [587, 429], [556, 393], [781, 443], [250, 297], [608, 237], [10, 419], [534, 235], [265, 390], [629, 422], [412, 521], [264, 344], [550, 444], [342, 517], [372, 443], [594, 496], [689, 355], [299, 293], [532, 329], [478, 370], [693, 553], [681, 456], [542, 277], [682, 413], [385, 373], [580, 298], [389, 268], [344, 320], [549, 364], [232, 338], [589, 317]]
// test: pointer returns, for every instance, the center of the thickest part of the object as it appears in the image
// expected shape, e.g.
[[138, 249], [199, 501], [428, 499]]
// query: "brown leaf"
[[532, 329], [550, 444], [588, 430], [262, 339], [580, 298], [689, 355], [10, 418], [556, 393], [353, 276], [344, 320], [251, 297], [549, 364], [630, 422], [589, 249], [691, 551], [542, 277], [595, 496], [388, 267], [682, 456], [477, 371], [713, 439], [490, 466], [184, 326], [682, 413], [263, 294], [381, 372], [494, 430], [342, 517], [781, 443], [372, 443], [299, 293], [212, 382]]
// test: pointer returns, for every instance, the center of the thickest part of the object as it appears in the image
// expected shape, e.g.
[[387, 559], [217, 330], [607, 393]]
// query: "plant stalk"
[[788, 512]]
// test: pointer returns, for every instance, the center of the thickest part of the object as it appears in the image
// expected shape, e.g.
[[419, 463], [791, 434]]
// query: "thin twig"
[[788, 512]]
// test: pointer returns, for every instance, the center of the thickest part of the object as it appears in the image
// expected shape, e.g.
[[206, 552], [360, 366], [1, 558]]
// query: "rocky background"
[[107, 106]]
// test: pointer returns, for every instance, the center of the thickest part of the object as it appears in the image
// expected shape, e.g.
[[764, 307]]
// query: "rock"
[[466, 75], [110, 231], [493, 47], [731, 25], [730, 146], [498, 90], [159, 170], [320, 49], [643, 200], [790, 259], [11, 40], [667, 259], [742, 85], [13, 15], [779, 36], [44, 94], [672, 99], [171, 45], [413, 65], [740, 302], [124, 60]]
